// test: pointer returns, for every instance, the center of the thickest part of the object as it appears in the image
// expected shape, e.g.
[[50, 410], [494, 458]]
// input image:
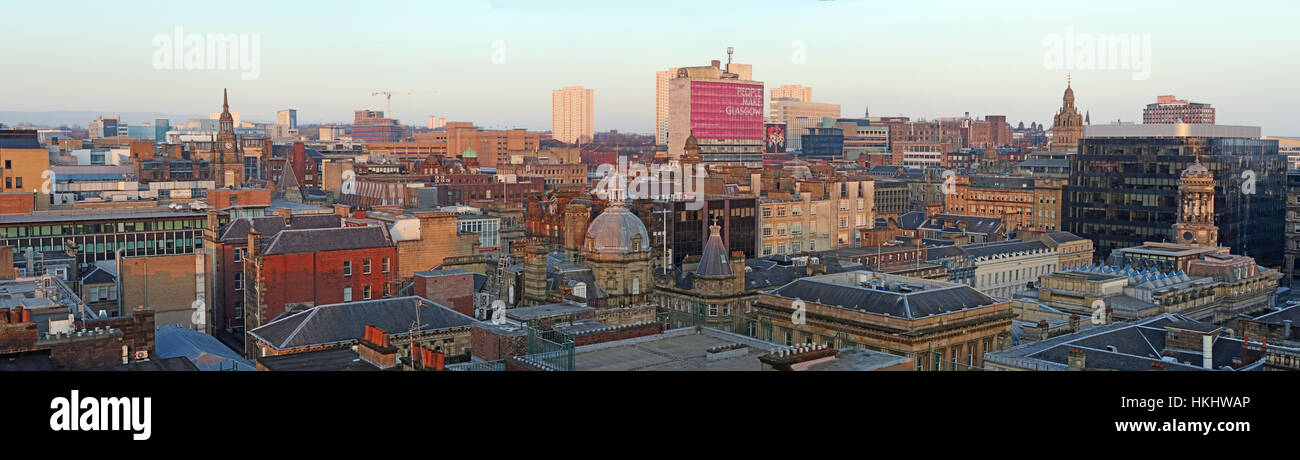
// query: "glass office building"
[[823, 144], [1123, 187]]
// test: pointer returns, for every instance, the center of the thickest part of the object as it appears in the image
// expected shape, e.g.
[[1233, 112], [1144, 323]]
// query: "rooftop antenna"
[[417, 325], [730, 51]]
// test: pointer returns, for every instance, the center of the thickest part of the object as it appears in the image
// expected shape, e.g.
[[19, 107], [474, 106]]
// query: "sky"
[[495, 62]]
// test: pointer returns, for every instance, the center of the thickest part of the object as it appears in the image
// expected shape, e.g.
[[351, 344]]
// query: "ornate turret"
[[692, 156], [714, 261], [1196, 207], [1067, 125]]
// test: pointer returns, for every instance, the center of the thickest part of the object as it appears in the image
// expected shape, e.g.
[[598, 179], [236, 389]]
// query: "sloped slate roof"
[[346, 322], [205, 351], [911, 220], [326, 239], [1063, 237], [237, 230], [714, 260], [912, 305], [98, 276], [974, 224], [1003, 247]]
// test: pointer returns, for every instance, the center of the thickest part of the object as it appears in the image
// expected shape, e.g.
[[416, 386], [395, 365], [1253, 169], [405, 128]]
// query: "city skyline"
[[978, 60]]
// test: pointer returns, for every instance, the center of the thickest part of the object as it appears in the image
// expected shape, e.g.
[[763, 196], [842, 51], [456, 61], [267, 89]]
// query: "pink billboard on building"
[[727, 110]]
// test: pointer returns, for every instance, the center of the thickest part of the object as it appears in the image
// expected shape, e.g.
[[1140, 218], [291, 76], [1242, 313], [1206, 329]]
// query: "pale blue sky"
[[915, 58]]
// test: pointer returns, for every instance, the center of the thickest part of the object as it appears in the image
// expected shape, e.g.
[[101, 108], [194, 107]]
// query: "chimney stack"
[[1077, 359], [375, 349], [254, 242], [286, 214]]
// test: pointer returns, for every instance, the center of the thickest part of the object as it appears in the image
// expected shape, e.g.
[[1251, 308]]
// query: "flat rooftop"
[[858, 359], [1170, 130], [675, 350], [545, 311], [76, 215]]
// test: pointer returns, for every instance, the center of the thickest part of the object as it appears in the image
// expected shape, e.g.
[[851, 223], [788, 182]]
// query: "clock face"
[[229, 145]]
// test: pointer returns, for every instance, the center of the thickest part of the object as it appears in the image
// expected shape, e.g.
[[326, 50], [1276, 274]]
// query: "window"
[[365, 292], [387, 290], [789, 338], [365, 267], [239, 281], [19, 182], [239, 254], [385, 265], [347, 268], [347, 294]]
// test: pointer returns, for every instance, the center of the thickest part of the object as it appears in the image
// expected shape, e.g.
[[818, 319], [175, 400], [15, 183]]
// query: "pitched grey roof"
[[268, 226], [98, 276], [326, 239], [346, 322], [911, 220], [912, 305], [974, 224], [205, 351], [1132, 346], [1003, 247], [714, 260], [1063, 237]]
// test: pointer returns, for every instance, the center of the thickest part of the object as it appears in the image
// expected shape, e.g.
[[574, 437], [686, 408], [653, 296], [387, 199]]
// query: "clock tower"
[[227, 163], [1196, 207]]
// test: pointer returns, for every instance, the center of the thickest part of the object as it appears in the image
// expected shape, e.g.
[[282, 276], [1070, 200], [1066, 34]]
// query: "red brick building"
[[228, 249], [486, 187], [453, 288], [303, 268]]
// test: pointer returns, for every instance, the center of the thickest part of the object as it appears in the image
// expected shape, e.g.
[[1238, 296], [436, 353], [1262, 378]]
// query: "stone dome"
[[613, 231], [1196, 169]]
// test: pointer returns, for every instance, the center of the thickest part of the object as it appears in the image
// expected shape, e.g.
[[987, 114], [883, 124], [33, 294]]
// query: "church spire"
[[225, 101]]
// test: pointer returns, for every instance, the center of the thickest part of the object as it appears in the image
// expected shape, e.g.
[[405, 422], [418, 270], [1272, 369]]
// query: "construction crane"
[[388, 95]]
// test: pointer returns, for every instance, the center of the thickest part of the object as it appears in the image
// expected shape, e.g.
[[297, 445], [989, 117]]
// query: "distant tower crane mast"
[[388, 96]]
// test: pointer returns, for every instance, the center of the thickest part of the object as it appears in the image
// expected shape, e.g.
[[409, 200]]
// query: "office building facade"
[[1124, 186], [572, 109], [723, 112]]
